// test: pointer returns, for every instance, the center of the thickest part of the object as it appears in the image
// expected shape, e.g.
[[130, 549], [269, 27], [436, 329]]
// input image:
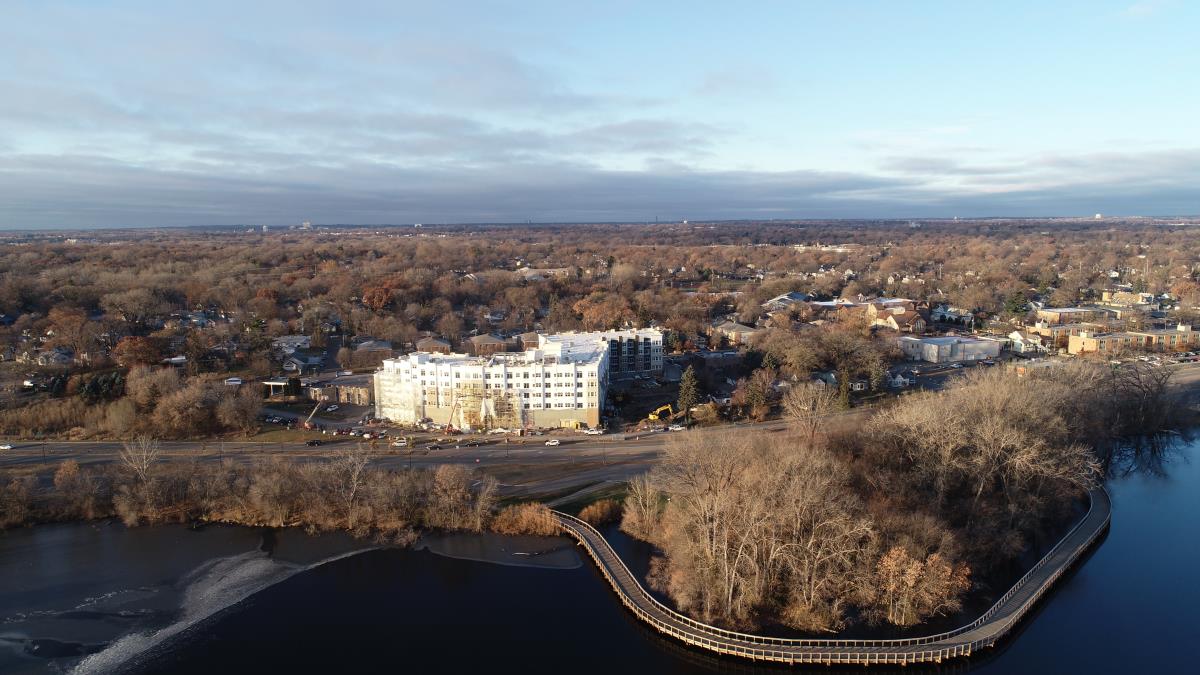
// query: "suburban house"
[[375, 346], [828, 378], [286, 344], [56, 356], [543, 273], [736, 333], [786, 301], [303, 362], [909, 321], [1027, 343], [486, 345], [898, 314], [949, 349], [433, 345], [948, 314], [898, 380], [529, 340]]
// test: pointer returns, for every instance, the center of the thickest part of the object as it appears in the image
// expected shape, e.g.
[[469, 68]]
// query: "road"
[[524, 466]]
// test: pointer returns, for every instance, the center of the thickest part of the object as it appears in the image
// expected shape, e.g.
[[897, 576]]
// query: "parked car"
[[331, 408], [313, 444], [400, 443], [676, 427], [594, 432], [553, 441]]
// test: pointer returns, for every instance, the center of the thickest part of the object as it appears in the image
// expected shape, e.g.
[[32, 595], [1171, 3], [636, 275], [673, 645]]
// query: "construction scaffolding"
[[474, 407]]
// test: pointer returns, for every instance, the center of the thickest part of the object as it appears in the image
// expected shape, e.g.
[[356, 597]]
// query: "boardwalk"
[[985, 631]]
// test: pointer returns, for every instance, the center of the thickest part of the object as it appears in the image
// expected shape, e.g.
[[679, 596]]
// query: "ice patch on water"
[[210, 588], [512, 551]]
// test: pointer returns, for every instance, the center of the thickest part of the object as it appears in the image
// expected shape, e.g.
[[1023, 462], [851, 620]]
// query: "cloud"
[[1147, 7], [735, 82], [938, 166], [113, 116], [78, 191]]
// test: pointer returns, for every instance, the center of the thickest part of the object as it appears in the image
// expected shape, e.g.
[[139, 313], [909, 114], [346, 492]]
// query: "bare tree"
[[139, 456], [642, 510], [349, 467], [484, 498], [808, 403]]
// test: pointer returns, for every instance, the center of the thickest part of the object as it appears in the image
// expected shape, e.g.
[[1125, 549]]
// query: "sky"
[[164, 113]]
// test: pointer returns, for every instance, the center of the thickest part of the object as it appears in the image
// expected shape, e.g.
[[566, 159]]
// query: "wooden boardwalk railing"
[[985, 631]]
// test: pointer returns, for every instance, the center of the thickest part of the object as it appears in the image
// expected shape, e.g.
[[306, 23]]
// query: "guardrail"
[[983, 632]]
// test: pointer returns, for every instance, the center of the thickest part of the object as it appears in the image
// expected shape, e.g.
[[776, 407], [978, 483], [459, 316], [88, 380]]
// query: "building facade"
[[949, 349], [529, 389], [631, 352], [1179, 338], [1067, 314]]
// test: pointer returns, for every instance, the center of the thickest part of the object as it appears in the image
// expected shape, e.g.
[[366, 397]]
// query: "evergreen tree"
[[689, 390]]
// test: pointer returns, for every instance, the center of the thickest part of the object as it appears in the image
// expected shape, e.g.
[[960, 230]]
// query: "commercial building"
[[635, 351], [1179, 338], [561, 382], [536, 388], [1068, 314], [352, 389], [1058, 334], [949, 349]]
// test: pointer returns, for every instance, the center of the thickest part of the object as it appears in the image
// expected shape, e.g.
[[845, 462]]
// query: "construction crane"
[[308, 420]]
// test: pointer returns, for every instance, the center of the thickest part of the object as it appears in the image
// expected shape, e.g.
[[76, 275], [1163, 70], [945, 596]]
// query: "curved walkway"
[[985, 631]]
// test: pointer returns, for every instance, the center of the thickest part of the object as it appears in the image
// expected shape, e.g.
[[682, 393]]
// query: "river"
[[93, 598]]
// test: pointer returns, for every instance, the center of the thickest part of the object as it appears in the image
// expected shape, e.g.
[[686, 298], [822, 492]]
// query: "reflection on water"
[[234, 600]]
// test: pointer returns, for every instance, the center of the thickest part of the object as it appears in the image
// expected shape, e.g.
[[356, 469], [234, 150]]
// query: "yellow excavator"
[[658, 414]]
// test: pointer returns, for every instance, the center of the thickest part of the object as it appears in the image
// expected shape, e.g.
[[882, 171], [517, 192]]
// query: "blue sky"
[[175, 113]]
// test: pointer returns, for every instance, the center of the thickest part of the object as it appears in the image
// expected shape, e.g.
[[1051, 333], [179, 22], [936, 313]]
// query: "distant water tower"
[[264, 229]]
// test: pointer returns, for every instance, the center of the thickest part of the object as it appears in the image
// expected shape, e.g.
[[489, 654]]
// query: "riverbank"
[[387, 607]]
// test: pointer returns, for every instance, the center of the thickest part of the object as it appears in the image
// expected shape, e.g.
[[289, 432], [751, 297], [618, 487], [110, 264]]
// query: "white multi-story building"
[[561, 382], [536, 388], [636, 351]]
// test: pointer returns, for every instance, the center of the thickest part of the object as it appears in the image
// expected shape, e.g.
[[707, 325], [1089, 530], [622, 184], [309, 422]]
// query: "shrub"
[[601, 512], [529, 518]]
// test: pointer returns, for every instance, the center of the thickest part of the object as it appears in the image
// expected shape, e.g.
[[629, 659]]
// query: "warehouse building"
[[950, 349]]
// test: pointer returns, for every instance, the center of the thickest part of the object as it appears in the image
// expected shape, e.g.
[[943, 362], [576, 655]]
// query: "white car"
[[331, 408], [553, 441], [594, 432], [676, 427], [399, 443], [6, 446]]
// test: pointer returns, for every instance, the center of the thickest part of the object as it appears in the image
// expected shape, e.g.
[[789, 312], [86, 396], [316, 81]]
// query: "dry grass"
[[602, 512], [528, 518]]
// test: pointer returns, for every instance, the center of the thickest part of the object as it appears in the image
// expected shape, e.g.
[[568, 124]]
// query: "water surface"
[[240, 600]]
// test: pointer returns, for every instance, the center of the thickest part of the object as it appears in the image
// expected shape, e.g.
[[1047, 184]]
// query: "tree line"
[[341, 492], [893, 520]]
